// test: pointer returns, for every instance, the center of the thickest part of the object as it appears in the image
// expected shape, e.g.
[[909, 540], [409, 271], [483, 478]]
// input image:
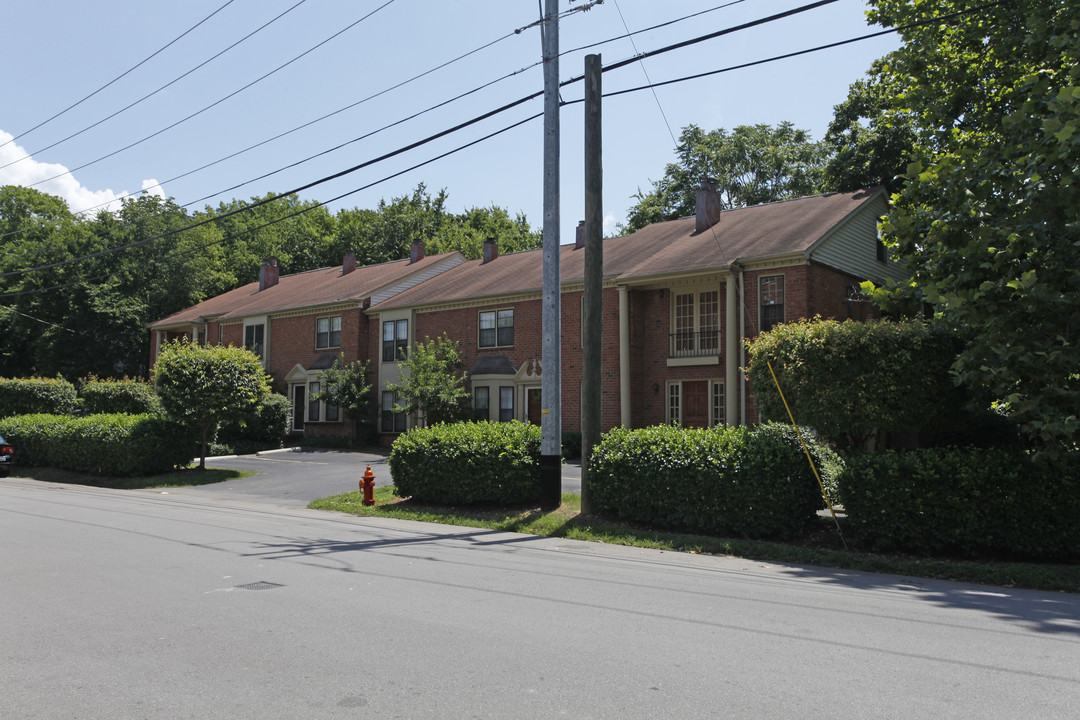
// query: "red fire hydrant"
[[367, 484]]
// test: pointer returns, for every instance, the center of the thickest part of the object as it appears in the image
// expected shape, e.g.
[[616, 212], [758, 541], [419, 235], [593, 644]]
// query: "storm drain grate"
[[261, 585]]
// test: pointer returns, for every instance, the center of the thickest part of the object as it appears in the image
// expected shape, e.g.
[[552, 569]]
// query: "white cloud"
[[609, 225], [54, 179]]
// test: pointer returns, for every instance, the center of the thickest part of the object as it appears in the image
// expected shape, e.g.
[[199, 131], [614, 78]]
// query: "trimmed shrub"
[[721, 481], [269, 422], [114, 445], [571, 445], [964, 502], [468, 463], [119, 396], [37, 395], [849, 380]]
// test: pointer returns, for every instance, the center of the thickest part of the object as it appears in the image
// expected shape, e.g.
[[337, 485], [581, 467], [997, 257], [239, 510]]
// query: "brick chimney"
[[579, 239], [491, 250], [416, 252], [709, 204], [349, 263], [268, 274]]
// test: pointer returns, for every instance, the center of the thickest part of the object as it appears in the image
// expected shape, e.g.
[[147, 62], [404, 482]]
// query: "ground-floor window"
[[391, 422], [506, 404]]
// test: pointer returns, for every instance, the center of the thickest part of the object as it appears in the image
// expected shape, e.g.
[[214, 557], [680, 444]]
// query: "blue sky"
[[59, 51]]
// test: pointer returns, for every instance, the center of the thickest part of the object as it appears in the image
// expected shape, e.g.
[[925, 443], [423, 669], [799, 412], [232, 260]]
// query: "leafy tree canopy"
[[988, 219], [205, 384], [433, 383], [753, 164], [346, 385]]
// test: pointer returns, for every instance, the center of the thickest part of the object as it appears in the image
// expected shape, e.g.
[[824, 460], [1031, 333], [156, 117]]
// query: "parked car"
[[7, 458]]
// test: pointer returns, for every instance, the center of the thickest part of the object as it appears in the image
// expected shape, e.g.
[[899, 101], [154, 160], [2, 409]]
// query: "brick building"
[[679, 299]]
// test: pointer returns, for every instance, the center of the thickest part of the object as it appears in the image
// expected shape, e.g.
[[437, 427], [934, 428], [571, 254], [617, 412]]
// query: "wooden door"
[[532, 405], [695, 399]]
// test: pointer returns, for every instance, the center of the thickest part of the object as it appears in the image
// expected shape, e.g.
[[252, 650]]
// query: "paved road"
[[296, 477], [138, 604]]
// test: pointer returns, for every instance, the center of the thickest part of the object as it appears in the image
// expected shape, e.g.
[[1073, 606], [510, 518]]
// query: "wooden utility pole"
[[592, 390], [551, 358]]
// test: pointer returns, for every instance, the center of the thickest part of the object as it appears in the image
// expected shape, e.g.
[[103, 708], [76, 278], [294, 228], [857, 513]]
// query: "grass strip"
[[824, 549]]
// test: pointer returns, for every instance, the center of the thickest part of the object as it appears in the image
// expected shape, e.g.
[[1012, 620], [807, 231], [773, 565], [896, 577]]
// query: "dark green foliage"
[[37, 395], [116, 445], [964, 502], [119, 396], [752, 164], [571, 444], [848, 380], [720, 481], [469, 463], [266, 425]]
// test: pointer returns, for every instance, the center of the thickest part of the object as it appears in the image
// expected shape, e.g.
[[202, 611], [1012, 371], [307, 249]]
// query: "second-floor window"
[[772, 301], [496, 328], [696, 324], [254, 339], [395, 340], [328, 332]]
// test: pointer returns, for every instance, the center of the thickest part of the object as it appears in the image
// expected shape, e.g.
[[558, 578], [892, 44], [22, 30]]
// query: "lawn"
[[825, 548]]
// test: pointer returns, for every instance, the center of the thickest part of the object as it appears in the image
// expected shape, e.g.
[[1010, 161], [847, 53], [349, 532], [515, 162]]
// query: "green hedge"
[[964, 502], [468, 463], [115, 445], [850, 380], [724, 481], [119, 396], [269, 422], [37, 395]]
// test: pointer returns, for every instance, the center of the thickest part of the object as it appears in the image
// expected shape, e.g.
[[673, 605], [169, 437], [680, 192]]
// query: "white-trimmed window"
[[695, 318], [395, 340], [481, 403], [391, 422], [255, 339], [328, 332], [771, 292], [320, 410], [506, 403], [496, 328]]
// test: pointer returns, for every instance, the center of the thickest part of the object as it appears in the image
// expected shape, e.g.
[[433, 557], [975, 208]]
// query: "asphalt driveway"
[[296, 476]]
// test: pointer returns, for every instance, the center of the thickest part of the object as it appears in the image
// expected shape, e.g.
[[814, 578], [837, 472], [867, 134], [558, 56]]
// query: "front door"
[[532, 405], [695, 403], [299, 405]]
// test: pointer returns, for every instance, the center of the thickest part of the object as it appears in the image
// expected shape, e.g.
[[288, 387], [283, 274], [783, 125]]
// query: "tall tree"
[[753, 164], [872, 137], [989, 216]]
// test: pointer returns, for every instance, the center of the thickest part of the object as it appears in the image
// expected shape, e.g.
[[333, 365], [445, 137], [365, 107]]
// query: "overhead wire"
[[390, 125], [151, 94], [119, 77], [463, 125], [216, 102]]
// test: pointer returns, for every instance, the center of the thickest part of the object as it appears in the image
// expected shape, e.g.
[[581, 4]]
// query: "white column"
[[731, 354]]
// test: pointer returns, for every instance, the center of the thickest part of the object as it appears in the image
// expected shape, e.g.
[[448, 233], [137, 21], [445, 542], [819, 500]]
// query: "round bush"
[[468, 463]]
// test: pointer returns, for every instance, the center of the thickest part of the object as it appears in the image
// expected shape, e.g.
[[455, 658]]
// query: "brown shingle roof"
[[660, 249], [301, 290]]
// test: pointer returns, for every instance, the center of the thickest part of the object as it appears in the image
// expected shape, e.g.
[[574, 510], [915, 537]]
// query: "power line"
[[120, 76], [390, 125], [417, 144], [480, 118], [151, 94], [216, 102]]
